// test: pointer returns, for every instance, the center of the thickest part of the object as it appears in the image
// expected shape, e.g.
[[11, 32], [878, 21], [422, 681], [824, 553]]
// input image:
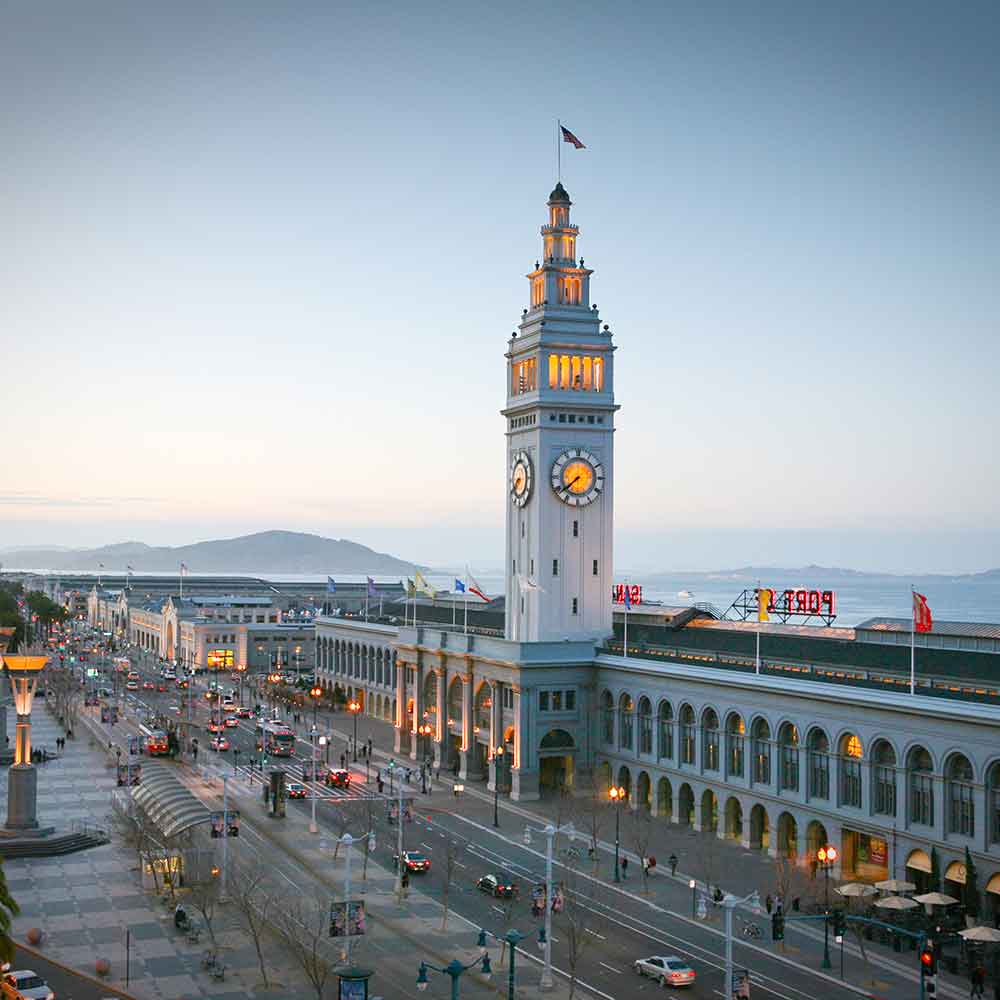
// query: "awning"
[[994, 884], [919, 861], [168, 804], [955, 873]]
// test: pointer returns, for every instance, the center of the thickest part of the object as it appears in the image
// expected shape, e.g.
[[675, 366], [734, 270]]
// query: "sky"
[[262, 261]]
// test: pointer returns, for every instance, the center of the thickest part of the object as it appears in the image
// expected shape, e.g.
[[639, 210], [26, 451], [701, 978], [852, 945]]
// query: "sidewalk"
[[702, 857]]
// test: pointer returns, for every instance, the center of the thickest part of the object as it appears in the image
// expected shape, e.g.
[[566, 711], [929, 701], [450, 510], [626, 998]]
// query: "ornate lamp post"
[[354, 707], [315, 693], [617, 795], [497, 766], [22, 780], [241, 670], [826, 856]]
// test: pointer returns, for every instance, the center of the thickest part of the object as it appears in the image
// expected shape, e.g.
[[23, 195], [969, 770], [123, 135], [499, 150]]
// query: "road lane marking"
[[499, 909], [596, 935], [428, 846], [611, 967]]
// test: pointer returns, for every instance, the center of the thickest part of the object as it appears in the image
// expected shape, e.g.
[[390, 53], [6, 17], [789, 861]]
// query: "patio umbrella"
[[895, 885], [896, 903], [936, 899], [980, 934], [855, 889]]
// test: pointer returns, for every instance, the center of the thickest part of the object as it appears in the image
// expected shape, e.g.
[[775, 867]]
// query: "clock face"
[[520, 478], [577, 477]]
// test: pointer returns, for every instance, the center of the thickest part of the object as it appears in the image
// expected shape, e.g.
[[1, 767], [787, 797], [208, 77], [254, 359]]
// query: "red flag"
[[569, 137], [922, 620]]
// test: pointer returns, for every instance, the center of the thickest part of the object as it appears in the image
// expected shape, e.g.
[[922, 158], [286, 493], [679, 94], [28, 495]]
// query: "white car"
[[669, 970], [26, 985]]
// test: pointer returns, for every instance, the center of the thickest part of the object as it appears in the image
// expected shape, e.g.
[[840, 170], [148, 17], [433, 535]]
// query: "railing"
[[86, 829]]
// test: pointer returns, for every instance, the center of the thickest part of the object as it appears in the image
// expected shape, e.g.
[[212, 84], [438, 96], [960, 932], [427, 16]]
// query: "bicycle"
[[749, 930]]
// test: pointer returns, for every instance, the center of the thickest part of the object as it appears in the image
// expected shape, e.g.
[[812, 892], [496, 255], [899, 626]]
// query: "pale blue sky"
[[262, 261]]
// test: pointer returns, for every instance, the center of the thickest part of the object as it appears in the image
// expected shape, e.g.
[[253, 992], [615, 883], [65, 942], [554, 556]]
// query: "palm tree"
[[8, 910]]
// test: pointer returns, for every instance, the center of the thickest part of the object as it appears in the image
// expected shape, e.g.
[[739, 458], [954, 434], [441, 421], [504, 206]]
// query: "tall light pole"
[[424, 730], [348, 841], [545, 939], [826, 856], [497, 762], [617, 795], [313, 828], [315, 693], [240, 670], [354, 707], [730, 903]]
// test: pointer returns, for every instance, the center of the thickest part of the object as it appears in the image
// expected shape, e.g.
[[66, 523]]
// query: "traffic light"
[[928, 961], [839, 923], [777, 927]]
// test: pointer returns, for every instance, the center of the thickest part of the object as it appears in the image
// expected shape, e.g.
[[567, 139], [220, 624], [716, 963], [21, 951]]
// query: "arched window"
[[735, 736], [850, 771], [687, 734], [961, 805], [993, 800], [645, 726], [883, 779], [789, 741], [710, 740], [920, 766], [608, 717], [665, 731], [819, 765], [625, 722], [762, 752]]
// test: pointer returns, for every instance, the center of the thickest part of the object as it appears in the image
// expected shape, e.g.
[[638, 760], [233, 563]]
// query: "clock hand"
[[570, 485]]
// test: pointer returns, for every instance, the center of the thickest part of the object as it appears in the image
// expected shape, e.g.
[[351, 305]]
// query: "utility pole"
[[225, 837], [401, 867], [313, 828], [546, 983], [730, 903]]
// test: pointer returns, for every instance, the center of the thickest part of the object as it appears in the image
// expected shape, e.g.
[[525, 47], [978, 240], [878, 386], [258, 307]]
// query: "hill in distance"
[[263, 552], [751, 574]]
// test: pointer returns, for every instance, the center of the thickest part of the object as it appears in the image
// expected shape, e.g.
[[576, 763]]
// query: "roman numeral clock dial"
[[520, 478], [577, 477]]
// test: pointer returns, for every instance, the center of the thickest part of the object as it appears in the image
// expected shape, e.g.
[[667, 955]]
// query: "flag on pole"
[[459, 586], [568, 136], [474, 587], [527, 585], [331, 585], [184, 569], [422, 585], [764, 595], [100, 565], [628, 597], [922, 620], [371, 588], [131, 569], [411, 589]]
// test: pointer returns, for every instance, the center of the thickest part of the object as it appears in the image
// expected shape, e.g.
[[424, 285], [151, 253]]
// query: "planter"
[[34, 936], [102, 967]]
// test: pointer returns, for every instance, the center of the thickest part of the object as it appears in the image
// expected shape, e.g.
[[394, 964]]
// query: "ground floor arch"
[[664, 799], [625, 781], [816, 837], [760, 828], [685, 805], [788, 836], [603, 777], [643, 792], [709, 811], [734, 819]]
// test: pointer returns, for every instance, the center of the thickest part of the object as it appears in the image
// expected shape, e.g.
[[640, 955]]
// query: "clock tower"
[[560, 461]]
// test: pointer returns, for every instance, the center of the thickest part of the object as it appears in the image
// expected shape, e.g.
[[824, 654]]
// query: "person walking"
[[768, 904], [977, 982], [624, 867]]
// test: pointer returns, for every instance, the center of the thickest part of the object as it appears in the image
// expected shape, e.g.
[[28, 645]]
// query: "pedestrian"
[[977, 981], [779, 904], [381, 784], [625, 868], [343, 759], [645, 866], [768, 904], [672, 861]]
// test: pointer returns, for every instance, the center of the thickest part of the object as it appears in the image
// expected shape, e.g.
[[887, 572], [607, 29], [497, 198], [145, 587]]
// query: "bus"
[[156, 741], [274, 737]]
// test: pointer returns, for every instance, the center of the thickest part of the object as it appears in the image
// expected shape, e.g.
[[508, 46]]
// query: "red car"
[[216, 727], [231, 722], [148, 686], [244, 713], [339, 778], [161, 687], [413, 860], [219, 743]]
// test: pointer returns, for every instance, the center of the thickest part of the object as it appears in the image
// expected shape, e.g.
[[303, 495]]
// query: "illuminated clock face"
[[520, 478], [577, 477]]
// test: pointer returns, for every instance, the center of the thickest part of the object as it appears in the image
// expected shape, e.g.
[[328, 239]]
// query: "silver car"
[[666, 969], [26, 985]]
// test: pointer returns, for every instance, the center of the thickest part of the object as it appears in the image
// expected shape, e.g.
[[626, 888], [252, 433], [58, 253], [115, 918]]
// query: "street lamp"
[[618, 797], [497, 759], [545, 935], [729, 903], [512, 938], [454, 969], [826, 856], [424, 730], [354, 707], [240, 671], [316, 693]]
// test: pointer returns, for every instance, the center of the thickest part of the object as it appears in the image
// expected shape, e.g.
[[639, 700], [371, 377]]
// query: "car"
[[26, 985], [219, 743], [244, 713], [414, 861], [499, 885], [161, 687], [148, 686], [132, 686], [215, 727], [296, 790], [339, 778], [231, 722], [668, 970]]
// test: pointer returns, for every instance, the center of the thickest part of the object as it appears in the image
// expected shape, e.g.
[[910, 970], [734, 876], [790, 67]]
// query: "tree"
[[580, 920], [450, 858], [591, 812], [8, 910], [252, 894], [204, 897], [970, 892], [639, 831], [304, 928]]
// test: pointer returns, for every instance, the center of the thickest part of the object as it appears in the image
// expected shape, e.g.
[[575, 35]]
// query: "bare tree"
[[252, 894], [303, 925], [204, 897], [450, 857], [137, 831], [591, 811], [639, 832], [344, 816], [579, 920]]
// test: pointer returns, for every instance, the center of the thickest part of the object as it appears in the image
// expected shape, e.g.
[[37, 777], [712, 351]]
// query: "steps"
[[48, 847]]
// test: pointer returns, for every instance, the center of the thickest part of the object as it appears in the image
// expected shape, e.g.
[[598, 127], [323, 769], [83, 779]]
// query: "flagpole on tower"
[[559, 150], [465, 608], [913, 640]]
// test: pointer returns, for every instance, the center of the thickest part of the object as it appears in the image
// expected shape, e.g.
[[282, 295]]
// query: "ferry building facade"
[[823, 745]]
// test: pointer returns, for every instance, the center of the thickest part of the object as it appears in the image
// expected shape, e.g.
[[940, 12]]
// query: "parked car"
[[26, 985], [668, 970], [498, 885], [414, 861]]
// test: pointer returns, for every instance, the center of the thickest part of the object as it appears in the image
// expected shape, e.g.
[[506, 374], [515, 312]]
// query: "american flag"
[[569, 137]]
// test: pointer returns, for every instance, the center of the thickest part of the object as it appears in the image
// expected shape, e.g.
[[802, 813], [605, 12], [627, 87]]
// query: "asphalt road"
[[65, 985], [606, 927]]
